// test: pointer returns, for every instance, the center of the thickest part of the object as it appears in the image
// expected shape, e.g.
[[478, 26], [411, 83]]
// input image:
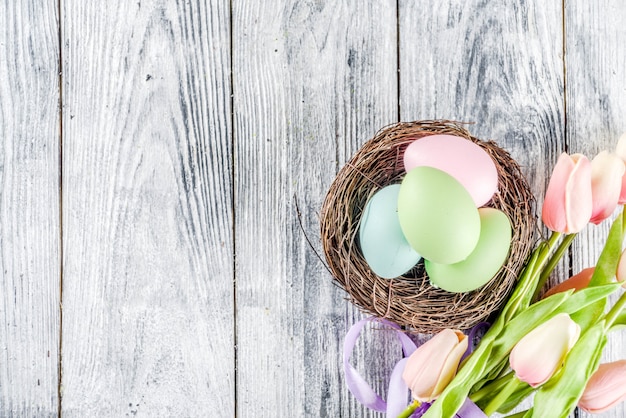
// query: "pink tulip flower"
[[620, 150], [577, 282], [607, 171], [568, 204], [433, 365], [541, 352], [606, 388]]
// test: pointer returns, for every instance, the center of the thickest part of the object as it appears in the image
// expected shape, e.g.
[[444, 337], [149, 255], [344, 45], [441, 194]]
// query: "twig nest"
[[411, 300]]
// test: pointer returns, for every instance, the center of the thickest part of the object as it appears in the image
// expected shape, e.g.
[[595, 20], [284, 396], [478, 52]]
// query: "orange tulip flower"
[[576, 282]]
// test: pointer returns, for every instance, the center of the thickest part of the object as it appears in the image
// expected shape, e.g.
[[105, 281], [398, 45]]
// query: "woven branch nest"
[[410, 300]]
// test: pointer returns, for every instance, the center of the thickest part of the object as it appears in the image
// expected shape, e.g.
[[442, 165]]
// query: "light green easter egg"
[[437, 215], [483, 263]]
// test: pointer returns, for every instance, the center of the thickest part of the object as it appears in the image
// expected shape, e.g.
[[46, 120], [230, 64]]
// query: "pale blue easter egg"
[[383, 245]]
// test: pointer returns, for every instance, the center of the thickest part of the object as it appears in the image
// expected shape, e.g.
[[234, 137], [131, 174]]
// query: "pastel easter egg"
[[459, 157], [483, 263], [382, 242], [437, 215]]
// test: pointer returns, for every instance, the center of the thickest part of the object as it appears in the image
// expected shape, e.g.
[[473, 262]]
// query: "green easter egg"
[[483, 263], [437, 215]]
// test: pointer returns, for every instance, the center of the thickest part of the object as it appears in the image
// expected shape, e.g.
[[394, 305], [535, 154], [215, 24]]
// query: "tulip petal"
[[606, 388], [578, 196], [448, 371], [567, 206], [576, 282], [607, 171], [540, 353], [620, 150], [428, 368], [622, 195], [553, 213]]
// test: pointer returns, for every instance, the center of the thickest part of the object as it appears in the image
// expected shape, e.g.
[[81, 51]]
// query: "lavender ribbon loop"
[[362, 391]]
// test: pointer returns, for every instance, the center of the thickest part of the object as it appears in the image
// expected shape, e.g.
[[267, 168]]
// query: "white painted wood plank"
[[148, 249], [496, 65], [312, 82], [29, 209], [596, 105]]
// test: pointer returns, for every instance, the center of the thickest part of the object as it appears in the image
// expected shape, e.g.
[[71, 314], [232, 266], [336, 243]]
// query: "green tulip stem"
[[553, 261], [501, 397], [544, 255], [409, 409], [492, 387], [615, 311]]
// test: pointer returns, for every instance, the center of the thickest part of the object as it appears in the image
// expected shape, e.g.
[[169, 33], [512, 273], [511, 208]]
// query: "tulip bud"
[[577, 282], [607, 171], [606, 388], [568, 206], [541, 352], [433, 365], [620, 150]]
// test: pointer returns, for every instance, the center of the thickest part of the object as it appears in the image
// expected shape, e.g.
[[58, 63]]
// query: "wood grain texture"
[[147, 207], [312, 82], [498, 66], [596, 105], [154, 298], [29, 209]]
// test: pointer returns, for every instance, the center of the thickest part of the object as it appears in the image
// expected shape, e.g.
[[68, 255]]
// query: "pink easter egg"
[[467, 162]]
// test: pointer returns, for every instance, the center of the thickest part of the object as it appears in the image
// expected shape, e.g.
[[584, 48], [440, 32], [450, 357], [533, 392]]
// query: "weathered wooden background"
[[152, 152]]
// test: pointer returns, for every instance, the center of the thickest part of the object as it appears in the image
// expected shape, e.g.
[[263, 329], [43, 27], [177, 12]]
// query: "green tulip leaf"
[[522, 392], [559, 396], [487, 393], [620, 322], [607, 263], [587, 317], [585, 297], [495, 373]]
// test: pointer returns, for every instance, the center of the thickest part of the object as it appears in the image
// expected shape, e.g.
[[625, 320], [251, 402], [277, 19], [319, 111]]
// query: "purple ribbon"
[[397, 393], [476, 333]]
